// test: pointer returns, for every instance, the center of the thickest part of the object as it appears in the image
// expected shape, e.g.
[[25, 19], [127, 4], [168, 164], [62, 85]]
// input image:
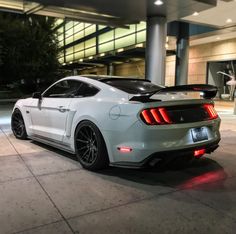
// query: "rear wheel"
[[90, 146], [18, 125]]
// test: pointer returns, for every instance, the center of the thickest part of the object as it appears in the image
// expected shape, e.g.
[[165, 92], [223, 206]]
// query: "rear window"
[[132, 86]]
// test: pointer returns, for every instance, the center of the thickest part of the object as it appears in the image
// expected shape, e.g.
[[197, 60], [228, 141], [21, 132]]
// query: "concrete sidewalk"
[[44, 190]]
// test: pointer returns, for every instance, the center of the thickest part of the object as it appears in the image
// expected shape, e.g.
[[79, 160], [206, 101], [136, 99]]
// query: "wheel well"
[[80, 123], [97, 128]]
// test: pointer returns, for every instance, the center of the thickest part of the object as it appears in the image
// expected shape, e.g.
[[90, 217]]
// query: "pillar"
[[155, 49], [110, 69], [182, 54]]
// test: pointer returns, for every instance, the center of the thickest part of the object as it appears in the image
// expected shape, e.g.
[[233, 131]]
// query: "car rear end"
[[164, 127], [164, 131]]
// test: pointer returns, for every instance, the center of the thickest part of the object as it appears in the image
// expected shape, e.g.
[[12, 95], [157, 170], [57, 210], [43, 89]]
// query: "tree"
[[28, 50]]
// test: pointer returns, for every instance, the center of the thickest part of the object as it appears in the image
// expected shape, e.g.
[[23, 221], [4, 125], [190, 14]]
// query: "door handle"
[[62, 109]]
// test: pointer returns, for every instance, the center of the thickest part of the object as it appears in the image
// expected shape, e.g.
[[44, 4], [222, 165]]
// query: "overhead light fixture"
[[81, 60], [90, 57], [228, 21], [120, 50], [70, 62], [140, 45], [102, 54], [63, 64], [195, 13], [158, 2]]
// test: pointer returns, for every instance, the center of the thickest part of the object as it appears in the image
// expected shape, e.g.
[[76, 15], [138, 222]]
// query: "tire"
[[18, 125], [90, 147]]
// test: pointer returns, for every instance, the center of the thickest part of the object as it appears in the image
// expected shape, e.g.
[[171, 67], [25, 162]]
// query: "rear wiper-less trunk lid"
[[209, 92]]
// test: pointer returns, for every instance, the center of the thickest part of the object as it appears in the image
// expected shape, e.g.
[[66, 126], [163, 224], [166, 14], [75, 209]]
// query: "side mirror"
[[37, 95]]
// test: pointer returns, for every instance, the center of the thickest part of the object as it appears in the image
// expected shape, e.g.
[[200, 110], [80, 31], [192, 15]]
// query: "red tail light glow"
[[156, 116], [165, 115], [124, 149], [199, 153], [148, 117], [211, 111], [155, 113]]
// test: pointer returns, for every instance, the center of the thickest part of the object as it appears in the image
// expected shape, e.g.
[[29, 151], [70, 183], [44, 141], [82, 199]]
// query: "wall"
[[136, 69], [198, 57], [201, 54]]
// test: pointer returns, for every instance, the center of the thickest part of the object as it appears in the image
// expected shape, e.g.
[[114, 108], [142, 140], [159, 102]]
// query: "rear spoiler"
[[209, 91]]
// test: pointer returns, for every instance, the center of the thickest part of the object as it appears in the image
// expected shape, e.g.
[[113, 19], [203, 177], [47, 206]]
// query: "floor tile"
[[46, 162], [173, 213], [220, 195], [79, 192], [55, 228], [24, 205], [12, 167]]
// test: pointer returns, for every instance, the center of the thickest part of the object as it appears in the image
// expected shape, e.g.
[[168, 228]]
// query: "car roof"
[[108, 77]]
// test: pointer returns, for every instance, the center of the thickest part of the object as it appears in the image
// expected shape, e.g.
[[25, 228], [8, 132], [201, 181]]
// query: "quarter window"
[[87, 90]]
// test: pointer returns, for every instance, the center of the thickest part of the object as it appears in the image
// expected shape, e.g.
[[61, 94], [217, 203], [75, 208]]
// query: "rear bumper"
[[168, 156], [148, 140]]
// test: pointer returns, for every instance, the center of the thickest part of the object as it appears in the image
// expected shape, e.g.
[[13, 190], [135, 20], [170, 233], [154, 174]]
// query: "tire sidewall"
[[101, 160], [23, 135]]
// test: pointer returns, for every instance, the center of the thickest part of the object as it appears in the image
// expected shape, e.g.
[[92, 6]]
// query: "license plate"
[[199, 134]]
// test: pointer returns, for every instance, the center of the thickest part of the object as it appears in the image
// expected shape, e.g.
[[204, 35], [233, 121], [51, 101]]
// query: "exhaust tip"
[[154, 162]]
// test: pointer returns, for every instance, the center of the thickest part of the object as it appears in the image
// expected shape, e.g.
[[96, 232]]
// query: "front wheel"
[[18, 125], [90, 146]]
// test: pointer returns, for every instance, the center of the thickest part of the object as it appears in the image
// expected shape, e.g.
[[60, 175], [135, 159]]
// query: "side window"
[[63, 89], [87, 90]]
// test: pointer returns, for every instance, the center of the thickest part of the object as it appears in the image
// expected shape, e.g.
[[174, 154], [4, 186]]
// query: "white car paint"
[[54, 121]]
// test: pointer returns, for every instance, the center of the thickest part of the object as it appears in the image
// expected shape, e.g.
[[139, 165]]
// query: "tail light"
[[155, 116], [178, 114], [211, 111], [199, 153]]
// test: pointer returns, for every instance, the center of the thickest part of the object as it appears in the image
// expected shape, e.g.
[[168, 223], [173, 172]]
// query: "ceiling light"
[[120, 50], [91, 57], [195, 13], [102, 54], [139, 45], [81, 60], [70, 62], [229, 21], [158, 2]]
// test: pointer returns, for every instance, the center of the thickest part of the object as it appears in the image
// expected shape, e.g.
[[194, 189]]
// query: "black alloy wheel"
[[18, 125], [90, 146]]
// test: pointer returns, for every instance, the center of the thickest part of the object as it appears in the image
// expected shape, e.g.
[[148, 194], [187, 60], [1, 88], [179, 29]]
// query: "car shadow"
[[195, 173], [55, 150], [176, 175]]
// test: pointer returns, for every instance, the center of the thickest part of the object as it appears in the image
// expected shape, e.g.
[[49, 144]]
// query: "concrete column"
[[155, 49], [182, 54], [75, 72], [110, 69]]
